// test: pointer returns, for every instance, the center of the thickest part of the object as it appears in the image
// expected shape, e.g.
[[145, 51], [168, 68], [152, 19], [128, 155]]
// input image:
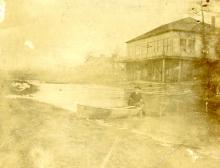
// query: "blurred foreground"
[[39, 135]]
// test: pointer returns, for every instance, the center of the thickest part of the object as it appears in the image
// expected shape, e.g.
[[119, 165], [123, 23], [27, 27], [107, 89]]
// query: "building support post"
[[180, 70], [163, 70], [128, 72]]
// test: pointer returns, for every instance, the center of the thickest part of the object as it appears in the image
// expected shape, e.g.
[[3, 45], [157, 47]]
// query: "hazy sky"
[[63, 32]]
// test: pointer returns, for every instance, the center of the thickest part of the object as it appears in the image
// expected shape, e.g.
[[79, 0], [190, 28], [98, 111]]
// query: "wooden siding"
[[182, 44]]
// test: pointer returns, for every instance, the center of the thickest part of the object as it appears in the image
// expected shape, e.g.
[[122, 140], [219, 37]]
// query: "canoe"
[[92, 112]]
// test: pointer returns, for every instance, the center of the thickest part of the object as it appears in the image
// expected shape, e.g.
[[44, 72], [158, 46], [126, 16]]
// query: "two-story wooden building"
[[168, 53]]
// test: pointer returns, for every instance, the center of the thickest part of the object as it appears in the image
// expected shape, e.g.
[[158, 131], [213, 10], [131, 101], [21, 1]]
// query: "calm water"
[[67, 96]]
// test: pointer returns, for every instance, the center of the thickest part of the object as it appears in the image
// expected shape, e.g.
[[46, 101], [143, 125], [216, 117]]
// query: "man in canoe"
[[136, 100]]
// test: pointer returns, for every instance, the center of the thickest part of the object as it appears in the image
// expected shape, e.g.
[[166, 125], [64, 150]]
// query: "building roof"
[[186, 24]]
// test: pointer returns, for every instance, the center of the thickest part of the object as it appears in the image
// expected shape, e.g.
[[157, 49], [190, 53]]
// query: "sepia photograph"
[[109, 83]]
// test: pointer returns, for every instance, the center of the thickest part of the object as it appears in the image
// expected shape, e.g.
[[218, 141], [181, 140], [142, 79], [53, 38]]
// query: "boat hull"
[[92, 112]]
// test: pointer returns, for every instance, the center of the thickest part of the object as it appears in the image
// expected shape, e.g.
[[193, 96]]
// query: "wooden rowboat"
[[92, 112]]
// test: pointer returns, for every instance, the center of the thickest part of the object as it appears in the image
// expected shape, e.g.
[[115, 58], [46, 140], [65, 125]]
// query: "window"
[[183, 45], [133, 52], [165, 45], [158, 46], [170, 46], [154, 47], [145, 50], [191, 45], [149, 48], [137, 50]]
